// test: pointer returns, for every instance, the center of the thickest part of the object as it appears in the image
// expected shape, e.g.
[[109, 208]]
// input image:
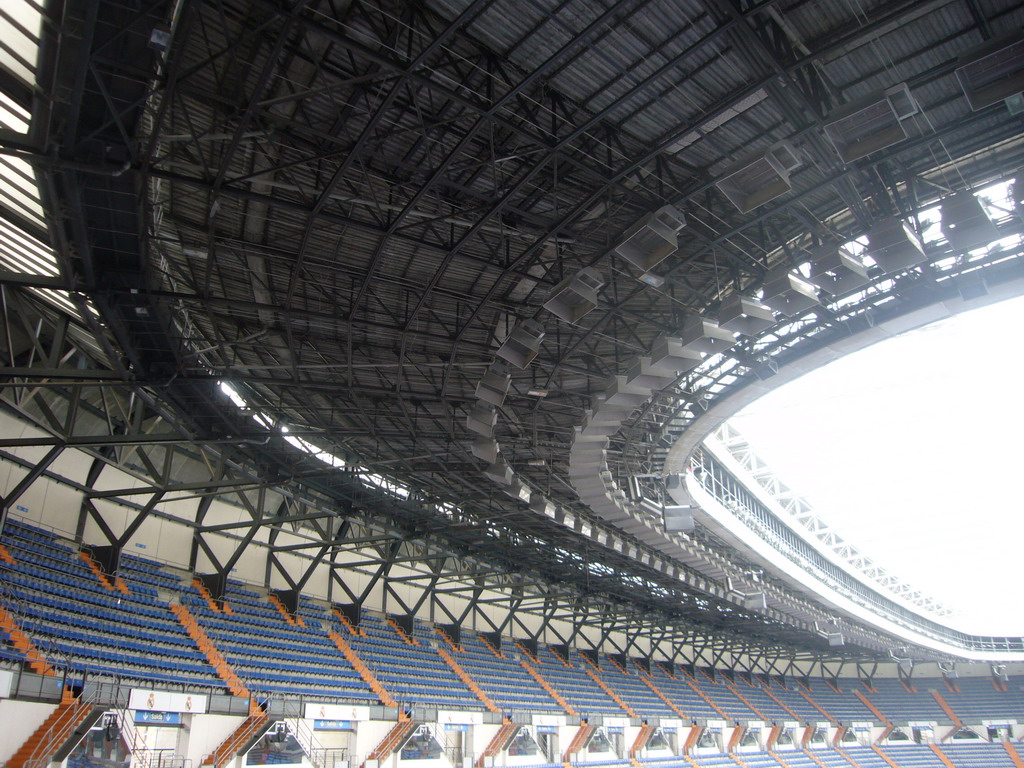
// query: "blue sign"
[[158, 718], [547, 729], [456, 727], [332, 725]]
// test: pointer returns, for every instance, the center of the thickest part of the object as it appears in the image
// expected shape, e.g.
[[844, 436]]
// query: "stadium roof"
[[337, 215]]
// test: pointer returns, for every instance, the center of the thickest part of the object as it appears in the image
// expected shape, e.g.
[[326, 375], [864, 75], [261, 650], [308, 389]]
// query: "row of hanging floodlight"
[[988, 74]]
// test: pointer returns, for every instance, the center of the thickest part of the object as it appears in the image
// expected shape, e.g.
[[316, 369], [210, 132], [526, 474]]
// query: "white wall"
[[20, 720], [206, 733]]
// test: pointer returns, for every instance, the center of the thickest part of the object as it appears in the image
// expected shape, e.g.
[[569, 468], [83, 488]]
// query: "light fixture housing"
[[744, 315], [992, 71], [703, 336], [894, 245], [523, 344], [966, 223], [500, 472], [788, 293], [756, 179], [493, 385], [677, 518], [652, 239], [575, 296], [871, 123], [482, 419], [485, 449], [836, 271], [669, 355]]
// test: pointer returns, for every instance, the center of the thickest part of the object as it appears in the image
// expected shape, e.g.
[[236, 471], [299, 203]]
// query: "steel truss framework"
[[342, 209]]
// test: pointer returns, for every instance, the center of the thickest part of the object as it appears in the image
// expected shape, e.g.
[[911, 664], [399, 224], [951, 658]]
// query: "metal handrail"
[[61, 730]]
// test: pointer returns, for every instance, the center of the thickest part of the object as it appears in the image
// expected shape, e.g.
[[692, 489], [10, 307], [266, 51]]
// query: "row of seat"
[[65, 607]]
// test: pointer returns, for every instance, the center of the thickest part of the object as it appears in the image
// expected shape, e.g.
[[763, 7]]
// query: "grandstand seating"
[[390, 658], [508, 684], [68, 613], [81, 625], [268, 654]]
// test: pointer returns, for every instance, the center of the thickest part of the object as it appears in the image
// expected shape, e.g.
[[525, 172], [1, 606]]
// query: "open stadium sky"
[[912, 450]]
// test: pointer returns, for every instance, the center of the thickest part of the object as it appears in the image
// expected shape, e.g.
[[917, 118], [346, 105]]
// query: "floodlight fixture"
[[485, 449], [836, 271], [643, 374], [540, 504], [992, 71], [677, 518], [668, 355], [836, 639], [523, 344], [966, 223], [894, 245], [788, 293], [756, 179], [517, 489], [575, 296], [482, 419], [704, 336], [972, 285], [744, 315], [500, 472], [765, 367], [493, 385], [755, 601], [652, 279], [871, 123], [619, 393], [652, 239]]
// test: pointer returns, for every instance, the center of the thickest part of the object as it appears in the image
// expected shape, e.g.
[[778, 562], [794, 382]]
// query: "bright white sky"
[[912, 450]]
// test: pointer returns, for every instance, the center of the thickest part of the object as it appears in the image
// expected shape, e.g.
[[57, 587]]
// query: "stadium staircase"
[[877, 713], [448, 640], [352, 630], [547, 687], [36, 661], [696, 689], [401, 633], [242, 738], [646, 731], [692, 739], [393, 740], [734, 739], [6, 556], [205, 594], [499, 742], [942, 756], [1011, 750], [292, 621], [116, 585], [215, 657], [585, 731], [469, 681], [489, 646], [957, 722], [68, 723], [592, 673], [364, 671], [736, 692], [649, 682], [782, 704], [881, 754], [806, 693]]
